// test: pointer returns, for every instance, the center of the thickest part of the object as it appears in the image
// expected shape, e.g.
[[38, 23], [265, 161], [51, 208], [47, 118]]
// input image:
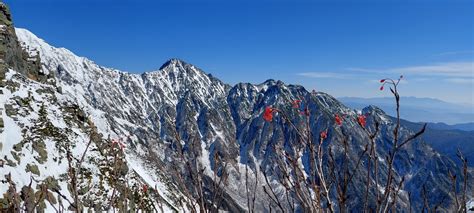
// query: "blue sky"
[[339, 47]]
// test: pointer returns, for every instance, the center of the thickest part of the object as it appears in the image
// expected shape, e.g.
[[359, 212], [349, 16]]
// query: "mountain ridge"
[[212, 119]]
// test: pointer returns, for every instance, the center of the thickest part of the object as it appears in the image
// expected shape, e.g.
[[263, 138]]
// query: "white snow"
[[470, 205], [150, 178], [96, 90]]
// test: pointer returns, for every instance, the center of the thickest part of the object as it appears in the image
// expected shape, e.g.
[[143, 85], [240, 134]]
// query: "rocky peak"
[[179, 68], [11, 53], [173, 62], [371, 109], [5, 16], [176, 78]]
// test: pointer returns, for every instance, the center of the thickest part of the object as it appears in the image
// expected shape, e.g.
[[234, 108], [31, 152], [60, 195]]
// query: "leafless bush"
[[315, 187], [189, 173]]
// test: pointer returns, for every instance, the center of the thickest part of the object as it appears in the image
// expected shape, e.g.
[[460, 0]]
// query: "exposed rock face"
[[12, 55], [212, 119]]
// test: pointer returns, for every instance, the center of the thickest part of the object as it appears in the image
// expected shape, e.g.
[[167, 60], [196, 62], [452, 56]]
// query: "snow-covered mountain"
[[54, 102]]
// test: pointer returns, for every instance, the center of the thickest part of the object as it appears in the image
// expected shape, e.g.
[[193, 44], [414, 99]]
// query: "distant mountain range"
[[443, 126], [447, 139], [421, 110]]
